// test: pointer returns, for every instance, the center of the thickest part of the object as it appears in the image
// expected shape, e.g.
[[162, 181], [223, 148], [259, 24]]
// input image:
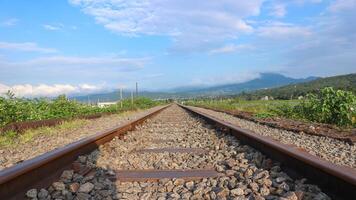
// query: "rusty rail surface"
[[337, 181], [41, 171]]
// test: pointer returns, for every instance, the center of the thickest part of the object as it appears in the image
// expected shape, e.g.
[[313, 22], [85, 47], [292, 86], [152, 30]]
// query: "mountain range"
[[264, 81], [342, 82]]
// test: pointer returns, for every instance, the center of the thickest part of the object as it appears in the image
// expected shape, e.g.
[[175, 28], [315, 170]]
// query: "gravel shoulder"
[[333, 150], [244, 172], [49, 138]]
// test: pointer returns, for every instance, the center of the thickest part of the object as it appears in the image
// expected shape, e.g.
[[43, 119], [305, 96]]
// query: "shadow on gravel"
[[84, 181]]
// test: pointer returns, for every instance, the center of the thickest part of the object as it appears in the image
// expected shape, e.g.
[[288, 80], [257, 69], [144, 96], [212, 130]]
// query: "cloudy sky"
[[80, 46]]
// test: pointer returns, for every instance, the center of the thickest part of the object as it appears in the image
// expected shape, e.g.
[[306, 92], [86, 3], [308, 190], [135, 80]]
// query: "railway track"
[[175, 155]]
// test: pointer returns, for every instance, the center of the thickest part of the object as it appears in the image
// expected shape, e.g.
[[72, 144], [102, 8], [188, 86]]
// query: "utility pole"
[[136, 89], [132, 101], [121, 97]]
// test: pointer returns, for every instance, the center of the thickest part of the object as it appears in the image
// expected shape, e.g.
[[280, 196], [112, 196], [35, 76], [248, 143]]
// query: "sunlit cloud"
[[9, 22], [230, 48], [52, 27], [45, 90], [26, 46], [184, 22]]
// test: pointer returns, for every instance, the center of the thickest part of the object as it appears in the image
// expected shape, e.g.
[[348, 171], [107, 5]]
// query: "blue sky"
[[83, 46]]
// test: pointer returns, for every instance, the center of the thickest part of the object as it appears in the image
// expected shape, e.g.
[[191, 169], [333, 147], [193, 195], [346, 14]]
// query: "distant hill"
[[266, 80], [344, 82]]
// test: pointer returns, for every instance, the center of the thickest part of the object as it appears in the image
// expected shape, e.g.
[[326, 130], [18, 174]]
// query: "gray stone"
[[164, 181], [220, 168], [186, 195], [212, 195], [321, 196], [86, 188], [175, 195], [223, 193], [74, 187], [267, 182], [189, 185], [32, 193], [179, 181], [105, 193], [67, 175], [263, 174], [248, 173], [237, 192], [230, 172], [280, 179], [59, 186], [284, 186], [264, 191], [82, 159], [145, 196], [254, 186], [290, 196], [82, 196], [42, 193]]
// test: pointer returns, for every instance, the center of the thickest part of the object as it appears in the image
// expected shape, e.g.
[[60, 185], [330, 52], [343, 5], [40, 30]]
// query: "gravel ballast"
[[244, 172], [43, 143], [330, 149]]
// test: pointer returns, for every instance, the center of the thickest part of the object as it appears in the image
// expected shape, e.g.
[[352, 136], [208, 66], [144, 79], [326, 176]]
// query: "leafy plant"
[[330, 106], [326, 106], [264, 115], [14, 109]]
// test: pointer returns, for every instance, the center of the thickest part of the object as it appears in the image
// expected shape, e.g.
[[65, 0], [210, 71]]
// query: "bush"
[[264, 115], [330, 106], [20, 109]]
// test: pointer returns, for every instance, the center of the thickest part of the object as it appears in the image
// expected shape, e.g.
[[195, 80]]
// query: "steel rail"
[[337, 181], [42, 170]]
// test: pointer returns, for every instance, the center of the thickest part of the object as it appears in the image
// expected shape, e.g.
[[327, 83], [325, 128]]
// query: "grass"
[[260, 108], [329, 106], [13, 139]]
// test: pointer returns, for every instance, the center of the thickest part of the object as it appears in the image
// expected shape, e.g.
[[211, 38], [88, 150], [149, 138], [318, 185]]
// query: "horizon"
[[89, 46]]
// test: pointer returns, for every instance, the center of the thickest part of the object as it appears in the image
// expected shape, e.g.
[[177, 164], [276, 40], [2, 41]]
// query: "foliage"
[[256, 106], [329, 106], [264, 115], [21, 109]]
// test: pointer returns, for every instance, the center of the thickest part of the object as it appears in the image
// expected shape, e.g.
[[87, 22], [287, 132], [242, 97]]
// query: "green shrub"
[[264, 115], [20, 109], [329, 106]]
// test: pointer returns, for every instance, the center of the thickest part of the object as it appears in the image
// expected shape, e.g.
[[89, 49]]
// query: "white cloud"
[[9, 22], [72, 61], [44, 90], [52, 27], [197, 22], [341, 5], [307, 1], [278, 10], [26, 46], [331, 48], [71, 68], [229, 48], [280, 31]]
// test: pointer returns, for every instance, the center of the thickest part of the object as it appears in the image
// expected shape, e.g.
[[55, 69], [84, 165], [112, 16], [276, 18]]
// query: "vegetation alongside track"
[[14, 109], [330, 106]]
